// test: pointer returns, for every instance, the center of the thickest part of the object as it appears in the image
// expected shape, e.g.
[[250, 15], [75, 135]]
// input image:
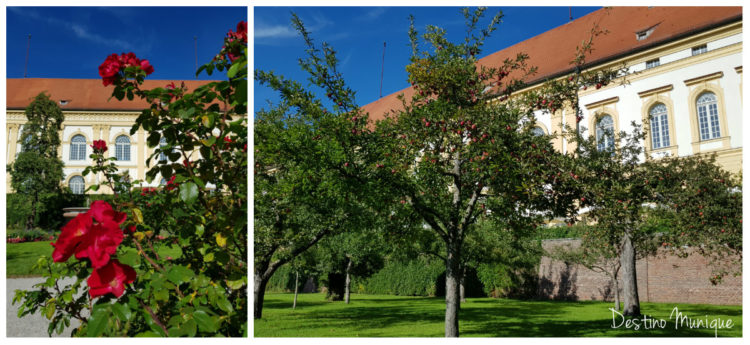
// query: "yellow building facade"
[[89, 115]]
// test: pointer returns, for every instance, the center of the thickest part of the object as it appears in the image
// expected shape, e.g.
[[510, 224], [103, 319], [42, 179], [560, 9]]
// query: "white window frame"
[[605, 140], [122, 148], [653, 63], [77, 184], [703, 48], [78, 148], [707, 106], [659, 126]]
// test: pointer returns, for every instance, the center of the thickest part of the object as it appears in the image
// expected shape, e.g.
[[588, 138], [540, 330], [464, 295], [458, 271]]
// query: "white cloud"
[[277, 31], [79, 30], [374, 13]]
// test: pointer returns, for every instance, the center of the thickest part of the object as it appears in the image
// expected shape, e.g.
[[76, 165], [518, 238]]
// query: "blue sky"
[[358, 33], [71, 42]]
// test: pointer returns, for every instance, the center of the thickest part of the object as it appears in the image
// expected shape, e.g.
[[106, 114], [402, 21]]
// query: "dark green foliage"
[[94, 197], [412, 278], [555, 232], [49, 212], [283, 279], [18, 209], [28, 235], [37, 171]]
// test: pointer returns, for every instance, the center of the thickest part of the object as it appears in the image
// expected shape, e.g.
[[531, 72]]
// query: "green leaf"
[[49, 309], [189, 328], [224, 304], [188, 192], [121, 311], [205, 322], [240, 94], [153, 139], [98, 320], [137, 215], [180, 274], [236, 284], [166, 171], [147, 334], [67, 296], [233, 70]]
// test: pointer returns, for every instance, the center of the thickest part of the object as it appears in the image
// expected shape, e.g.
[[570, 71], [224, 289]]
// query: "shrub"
[[418, 277]]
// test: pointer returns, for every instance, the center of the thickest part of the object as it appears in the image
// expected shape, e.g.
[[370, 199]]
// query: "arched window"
[[605, 133], [77, 185], [708, 116], [122, 148], [659, 126], [78, 148], [162, 156], [537, 131]]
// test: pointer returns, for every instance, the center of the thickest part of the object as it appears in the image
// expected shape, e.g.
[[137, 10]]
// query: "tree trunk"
[[617, 295], [347, 282], [452, 294], [462, 288], [32, 217], [631, 305], [259, 293], [296, 288]]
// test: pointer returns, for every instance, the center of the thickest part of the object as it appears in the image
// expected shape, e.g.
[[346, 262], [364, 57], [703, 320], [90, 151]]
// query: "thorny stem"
[[153, 315]]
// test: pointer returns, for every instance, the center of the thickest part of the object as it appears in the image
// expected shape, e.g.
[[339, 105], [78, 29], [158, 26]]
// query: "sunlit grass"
[[399, 316]]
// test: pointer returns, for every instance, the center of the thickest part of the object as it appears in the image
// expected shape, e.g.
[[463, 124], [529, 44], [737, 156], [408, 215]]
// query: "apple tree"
[[454, 152]]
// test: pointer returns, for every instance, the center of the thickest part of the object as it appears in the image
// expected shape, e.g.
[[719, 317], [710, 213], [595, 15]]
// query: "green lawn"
[[20, 257], [397, 316]]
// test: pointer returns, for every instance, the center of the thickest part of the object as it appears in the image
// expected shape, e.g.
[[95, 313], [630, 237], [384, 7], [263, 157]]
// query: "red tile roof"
[[81, 94], [553, 50]]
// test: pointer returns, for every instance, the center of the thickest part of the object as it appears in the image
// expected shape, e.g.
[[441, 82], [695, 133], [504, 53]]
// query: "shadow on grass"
[[385, 316]]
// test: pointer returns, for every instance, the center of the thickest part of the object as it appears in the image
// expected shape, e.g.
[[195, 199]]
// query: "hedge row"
[[414, 278], [49, 215], [283, 280]]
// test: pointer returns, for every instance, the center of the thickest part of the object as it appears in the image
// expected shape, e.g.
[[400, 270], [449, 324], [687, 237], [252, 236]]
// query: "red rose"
[[100, 243], [110, 67], [108, 80], [170, 184], [71, 236], [146, 67], [103, 212], [129, 59], [110, 278], [99, 145]]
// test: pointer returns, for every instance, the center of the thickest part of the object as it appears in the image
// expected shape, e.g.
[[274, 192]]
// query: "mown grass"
[[399, 316], [21, 257]]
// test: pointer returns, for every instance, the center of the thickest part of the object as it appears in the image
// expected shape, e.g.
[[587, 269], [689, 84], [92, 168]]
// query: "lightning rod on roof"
[[382, 68], [26, 64], [570, 13], [195, 50]]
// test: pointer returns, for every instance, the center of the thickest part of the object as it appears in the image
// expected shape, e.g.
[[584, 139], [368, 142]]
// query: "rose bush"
[[168, 260]]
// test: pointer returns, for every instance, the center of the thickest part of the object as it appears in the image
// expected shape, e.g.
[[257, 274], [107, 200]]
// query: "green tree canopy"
[[37, 171]]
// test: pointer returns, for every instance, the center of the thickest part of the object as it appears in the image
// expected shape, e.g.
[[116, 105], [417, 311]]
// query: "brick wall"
[[661, 278]]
